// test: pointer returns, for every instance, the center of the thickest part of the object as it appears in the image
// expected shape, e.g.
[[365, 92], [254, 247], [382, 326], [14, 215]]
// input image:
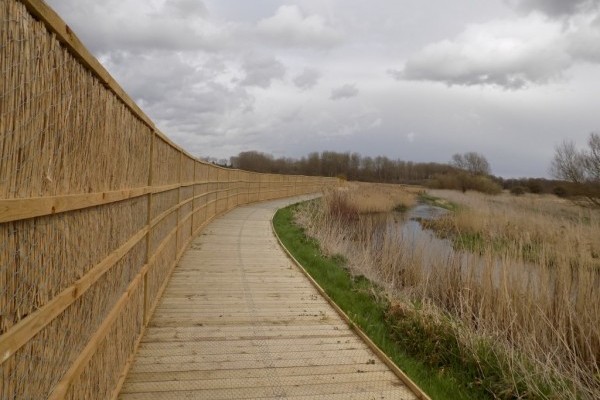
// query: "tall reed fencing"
[[96, 207]]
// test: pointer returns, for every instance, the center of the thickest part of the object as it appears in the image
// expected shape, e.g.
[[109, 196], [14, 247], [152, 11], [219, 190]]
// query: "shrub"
[[484, 184], [464, 182], [517, 190], [535, 186], [560, 191]]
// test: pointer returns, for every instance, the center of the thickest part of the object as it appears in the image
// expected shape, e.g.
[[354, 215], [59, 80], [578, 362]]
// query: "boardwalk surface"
[[238, 320]]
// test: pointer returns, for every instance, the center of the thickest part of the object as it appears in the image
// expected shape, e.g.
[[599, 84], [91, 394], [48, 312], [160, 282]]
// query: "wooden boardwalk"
[[238, 320]]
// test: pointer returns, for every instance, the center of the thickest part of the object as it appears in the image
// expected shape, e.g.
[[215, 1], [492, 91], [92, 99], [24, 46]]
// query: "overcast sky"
[[415, 80]]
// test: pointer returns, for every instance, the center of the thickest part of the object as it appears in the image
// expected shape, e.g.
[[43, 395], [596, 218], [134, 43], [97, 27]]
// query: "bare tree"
[[582, 167], [471, 162]]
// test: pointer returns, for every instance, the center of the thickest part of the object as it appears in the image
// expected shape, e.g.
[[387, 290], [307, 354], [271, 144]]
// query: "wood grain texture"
[[238, 319]]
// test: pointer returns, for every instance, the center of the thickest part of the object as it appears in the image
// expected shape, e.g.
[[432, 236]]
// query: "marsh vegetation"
[[504, 288]]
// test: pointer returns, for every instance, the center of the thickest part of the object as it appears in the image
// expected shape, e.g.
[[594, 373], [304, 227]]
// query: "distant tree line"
[[350, 166], [576, 171], [581, 168]]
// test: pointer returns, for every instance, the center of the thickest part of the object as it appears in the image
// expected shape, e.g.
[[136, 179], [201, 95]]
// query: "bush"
[[560, 191], [437, 342], [517, 190], [535, 186], [485, 185], [464, 182]]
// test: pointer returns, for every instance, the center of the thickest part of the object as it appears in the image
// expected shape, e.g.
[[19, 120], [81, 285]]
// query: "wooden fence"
[[96, 207]]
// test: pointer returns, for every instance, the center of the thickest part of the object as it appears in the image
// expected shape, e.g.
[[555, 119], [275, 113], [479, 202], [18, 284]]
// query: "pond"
[[435, 253]]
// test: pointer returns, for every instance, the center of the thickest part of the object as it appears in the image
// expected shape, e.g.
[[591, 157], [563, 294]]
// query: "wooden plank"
[[30, 326], [287, 388], [384, 378], [275, 342], [232, 364], [236, 321], [359, 356], [17, 209], [227, 374], [24, 208], [246, 347]]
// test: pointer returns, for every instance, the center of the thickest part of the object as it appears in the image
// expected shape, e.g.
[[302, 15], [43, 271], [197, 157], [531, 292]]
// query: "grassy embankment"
[[521, 319], [366, 305]]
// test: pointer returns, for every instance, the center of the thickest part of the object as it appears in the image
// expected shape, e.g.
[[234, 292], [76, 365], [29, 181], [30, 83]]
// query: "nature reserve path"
[[239, 320]]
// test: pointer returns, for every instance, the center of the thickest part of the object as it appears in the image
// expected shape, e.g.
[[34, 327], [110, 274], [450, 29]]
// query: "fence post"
[[178, 203], [193, 202], [149, 224]]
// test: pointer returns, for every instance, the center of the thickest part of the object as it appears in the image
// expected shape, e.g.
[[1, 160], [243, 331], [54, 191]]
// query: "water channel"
[[436, 253]]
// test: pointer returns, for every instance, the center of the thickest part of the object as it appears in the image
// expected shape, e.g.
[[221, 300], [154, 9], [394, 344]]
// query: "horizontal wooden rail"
[[61, 388], [24, 208], [27, 328], [18, 209]]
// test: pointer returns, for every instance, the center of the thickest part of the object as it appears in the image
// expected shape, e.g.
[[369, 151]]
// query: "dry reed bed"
[[541, 227], [50, 102], [366, 198], [64, 132], [542, 319]]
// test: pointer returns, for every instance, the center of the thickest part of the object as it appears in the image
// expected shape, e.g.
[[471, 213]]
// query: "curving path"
[[239, 320]]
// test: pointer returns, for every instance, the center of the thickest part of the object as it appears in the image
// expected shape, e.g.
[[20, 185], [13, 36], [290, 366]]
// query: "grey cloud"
[[555, 8], [344, 92], [186, 8], [583, 41], [184, 64], [307, 79], [167, 73], [290, 27], [183, 98], [176, 25], [261, 71]]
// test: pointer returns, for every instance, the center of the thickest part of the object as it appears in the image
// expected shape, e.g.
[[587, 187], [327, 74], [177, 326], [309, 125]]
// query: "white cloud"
[[344, 92], [510, 53], [290, 27], [307, 78]]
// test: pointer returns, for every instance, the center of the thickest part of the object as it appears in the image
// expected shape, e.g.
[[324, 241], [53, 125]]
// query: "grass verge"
[[437, 202], [365, 304]]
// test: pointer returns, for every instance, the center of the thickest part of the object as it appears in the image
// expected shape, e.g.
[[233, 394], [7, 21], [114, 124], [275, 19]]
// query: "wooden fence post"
[[148, 224]]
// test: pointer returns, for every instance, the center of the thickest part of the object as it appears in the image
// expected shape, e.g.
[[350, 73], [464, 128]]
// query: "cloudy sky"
[[415, 80]]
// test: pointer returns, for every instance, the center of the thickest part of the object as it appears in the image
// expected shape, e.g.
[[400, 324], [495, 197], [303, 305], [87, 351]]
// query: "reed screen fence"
[[96, 207]]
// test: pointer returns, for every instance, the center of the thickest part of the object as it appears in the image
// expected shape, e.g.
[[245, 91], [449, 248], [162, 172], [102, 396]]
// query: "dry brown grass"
[[538, 228], [539, 308], [367, 198]]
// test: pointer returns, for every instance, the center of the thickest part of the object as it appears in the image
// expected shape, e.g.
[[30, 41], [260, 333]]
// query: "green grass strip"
[[358, 298]]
